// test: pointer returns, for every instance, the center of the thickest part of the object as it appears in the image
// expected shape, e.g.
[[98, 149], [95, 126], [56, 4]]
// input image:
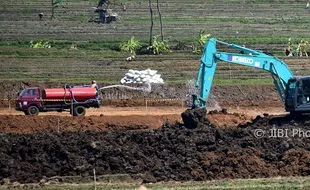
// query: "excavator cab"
[[298, 95]]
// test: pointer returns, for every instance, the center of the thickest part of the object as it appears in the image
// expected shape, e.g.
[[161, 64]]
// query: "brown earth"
[[140, 110], [109, 118], [238, 95], [24, 124], [169, 153], [150, 141], [122, 118]]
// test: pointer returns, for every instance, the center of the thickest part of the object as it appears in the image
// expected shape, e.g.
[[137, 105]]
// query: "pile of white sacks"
[[144, 76]]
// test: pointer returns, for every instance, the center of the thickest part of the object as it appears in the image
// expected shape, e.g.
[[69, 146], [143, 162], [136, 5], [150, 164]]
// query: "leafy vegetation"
[[40, 44], [158, 46], [200, 42], [130, 46]]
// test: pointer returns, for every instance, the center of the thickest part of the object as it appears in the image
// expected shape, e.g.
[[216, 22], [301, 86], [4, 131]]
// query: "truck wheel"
[[33, 110], [79, 111]]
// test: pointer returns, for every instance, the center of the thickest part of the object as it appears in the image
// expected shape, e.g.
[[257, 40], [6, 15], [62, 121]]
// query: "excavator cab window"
[[291, 89], [303, 93], [290, 96]]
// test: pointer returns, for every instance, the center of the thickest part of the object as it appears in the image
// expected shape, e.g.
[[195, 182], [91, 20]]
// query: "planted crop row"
[[63, 69], [221, 19]]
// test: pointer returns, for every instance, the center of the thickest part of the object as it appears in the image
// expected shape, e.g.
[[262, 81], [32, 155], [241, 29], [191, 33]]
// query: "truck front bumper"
[[18, 106]]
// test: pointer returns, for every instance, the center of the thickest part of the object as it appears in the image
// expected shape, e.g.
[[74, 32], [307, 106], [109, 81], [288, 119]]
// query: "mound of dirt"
[[169, 153]]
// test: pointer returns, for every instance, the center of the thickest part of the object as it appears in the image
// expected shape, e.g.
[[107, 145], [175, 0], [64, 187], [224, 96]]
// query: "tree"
[[160, 20], [152, 23], [55, 4], [151, 42]]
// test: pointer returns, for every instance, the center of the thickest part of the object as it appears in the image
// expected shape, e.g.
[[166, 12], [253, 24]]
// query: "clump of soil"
[[199, 117], [172, 152], [193, 118]]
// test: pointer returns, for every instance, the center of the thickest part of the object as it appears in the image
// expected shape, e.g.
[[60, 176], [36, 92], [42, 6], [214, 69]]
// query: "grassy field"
[[253, 184], [263, 25], [84, 67]]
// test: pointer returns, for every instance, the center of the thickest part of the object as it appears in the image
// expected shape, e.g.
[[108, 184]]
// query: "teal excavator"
[[294, 91]]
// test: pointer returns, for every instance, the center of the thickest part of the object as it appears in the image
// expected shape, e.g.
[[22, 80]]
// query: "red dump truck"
[[70, 98]]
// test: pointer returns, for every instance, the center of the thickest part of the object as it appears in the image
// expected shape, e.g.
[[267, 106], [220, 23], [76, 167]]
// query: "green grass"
[[242, 81], [82, 66], [263, 25], [281, 183]]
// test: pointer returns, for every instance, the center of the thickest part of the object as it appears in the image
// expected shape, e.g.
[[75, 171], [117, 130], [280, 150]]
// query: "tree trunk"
[[53, 7], [152, 23], [161, 23]]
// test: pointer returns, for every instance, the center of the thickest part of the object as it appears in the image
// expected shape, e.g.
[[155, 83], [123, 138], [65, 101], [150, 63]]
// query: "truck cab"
[[29, 101]]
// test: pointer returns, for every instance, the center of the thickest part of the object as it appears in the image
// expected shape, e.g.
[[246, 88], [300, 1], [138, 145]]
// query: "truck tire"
[[79, 111], [32, 110]]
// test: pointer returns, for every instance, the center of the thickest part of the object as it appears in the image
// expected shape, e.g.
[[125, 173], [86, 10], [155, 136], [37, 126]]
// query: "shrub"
[[130, 46], [159, 47], [40, 44], [200, 42]]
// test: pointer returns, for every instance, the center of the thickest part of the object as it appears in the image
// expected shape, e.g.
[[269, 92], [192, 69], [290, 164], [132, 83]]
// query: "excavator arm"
[[280, 72]]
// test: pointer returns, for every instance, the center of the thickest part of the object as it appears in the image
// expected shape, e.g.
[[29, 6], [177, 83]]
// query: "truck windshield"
[[22, 92]]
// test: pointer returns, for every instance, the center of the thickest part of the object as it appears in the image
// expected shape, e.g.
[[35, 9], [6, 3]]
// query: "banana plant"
[[200, 42], [159, 47], [40, 44], [130, 46]]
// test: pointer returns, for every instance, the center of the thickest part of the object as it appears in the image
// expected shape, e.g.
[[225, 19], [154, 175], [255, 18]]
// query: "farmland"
[[259, 25], [140, 137]]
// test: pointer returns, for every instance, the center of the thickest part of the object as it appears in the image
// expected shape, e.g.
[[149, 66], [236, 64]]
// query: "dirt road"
[[118, 118], [152, 111]]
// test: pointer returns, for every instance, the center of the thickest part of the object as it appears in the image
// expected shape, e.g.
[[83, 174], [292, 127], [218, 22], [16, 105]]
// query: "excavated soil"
[[172, 152], [153, 147]]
